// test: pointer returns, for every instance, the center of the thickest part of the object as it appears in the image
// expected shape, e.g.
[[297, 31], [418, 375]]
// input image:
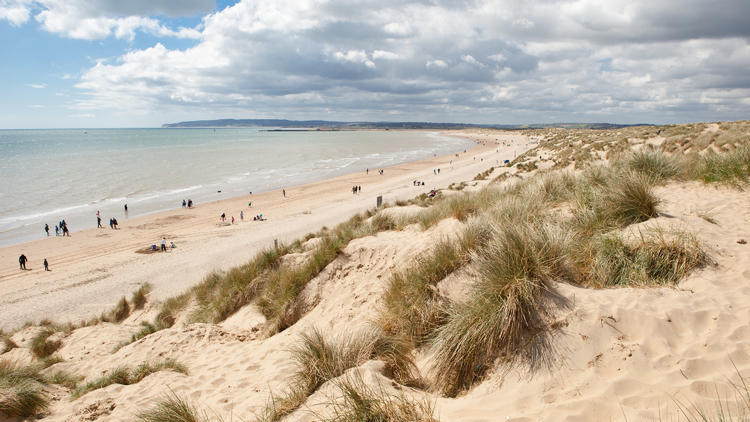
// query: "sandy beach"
[[92, 269]]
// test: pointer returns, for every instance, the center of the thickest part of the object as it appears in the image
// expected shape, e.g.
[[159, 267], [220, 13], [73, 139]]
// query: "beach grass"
[[319, 360], [174, 408], [21, 390], [139, 297], [126, 376], [359, 401], [42, 346], [508, 304]]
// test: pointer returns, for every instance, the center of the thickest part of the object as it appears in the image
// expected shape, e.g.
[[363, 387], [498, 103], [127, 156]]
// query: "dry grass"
[[360, 402], [124, 376], [42, 346], [140, 296], [508, 305], [319, 360], [411, 307], [174, 408], [21, 390], [655, 258], [655, 164]]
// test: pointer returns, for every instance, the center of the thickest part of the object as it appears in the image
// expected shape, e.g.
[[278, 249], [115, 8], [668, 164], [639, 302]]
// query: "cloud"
[[81, 19], [38, 86], [491, 60]]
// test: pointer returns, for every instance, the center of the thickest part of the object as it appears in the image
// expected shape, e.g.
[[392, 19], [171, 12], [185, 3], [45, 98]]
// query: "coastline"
[[93, 268]]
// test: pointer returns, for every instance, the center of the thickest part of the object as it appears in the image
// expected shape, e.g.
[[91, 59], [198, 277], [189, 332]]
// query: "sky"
[[142, 63]]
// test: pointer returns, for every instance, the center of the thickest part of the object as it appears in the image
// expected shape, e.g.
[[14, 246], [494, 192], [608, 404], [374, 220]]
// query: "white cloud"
[[36, 106], [385, 55], [38, 86], [436, 63], [83, 19], [635, 60], [16, 12]]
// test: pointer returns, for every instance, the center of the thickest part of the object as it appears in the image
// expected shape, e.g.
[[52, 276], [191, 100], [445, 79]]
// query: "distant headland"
[[336, 125]]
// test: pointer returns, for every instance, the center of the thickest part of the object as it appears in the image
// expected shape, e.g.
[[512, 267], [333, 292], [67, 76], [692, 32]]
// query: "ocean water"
[[50, 175]]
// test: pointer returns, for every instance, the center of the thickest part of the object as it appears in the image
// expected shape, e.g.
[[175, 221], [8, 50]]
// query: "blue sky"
[[106, 63]]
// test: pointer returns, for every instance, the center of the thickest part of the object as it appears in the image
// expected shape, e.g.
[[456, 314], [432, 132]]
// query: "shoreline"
[[93, 268], [22, 225]]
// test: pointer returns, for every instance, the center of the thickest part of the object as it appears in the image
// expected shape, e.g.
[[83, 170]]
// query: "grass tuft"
[[174, 408], [42, 346], [121, 311], [21, 390], [360, 402], [139, 296], [654, 164], [508, 304], [124, 376]]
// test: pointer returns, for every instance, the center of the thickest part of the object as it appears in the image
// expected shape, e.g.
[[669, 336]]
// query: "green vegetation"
[[319, 360], [42, 346], [123, 375], [21, 390], [139, 296], [174, 408], [360, 402]]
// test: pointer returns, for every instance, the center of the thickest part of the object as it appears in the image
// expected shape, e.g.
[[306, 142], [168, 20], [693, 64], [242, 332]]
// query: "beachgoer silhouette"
[[99, 222], [283, 191], [46, 265], [22, 260], [163, 244], [184, 204], [126, 208], [242, 216], [114, 222], [111, 223], [232, 219], [66, 232], [46, 229], [190, 203], [223, 216], [57, 231]]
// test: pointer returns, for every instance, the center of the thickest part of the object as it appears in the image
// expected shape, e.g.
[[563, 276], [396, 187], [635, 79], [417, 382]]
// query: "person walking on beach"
[[66, 232], [46, 229], [163, 244], [223, 217], [232, 219], [184, 204], [99, 222], [22, 261], [126, 208], [242, 216], [46, 265], [283, 192], [57, 231]]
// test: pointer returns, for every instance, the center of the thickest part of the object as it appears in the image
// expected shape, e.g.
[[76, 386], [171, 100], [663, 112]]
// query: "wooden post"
[[380, 201], [276, 243]]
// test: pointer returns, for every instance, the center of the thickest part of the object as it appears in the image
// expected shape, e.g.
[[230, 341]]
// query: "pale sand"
[[622, 354], [93, 268]]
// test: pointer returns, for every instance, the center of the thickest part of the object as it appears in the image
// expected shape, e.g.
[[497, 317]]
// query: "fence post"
[[380, 201]]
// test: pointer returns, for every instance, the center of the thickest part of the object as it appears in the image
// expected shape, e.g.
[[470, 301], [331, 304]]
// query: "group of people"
[[417, 183], [356, 189], [436, 171], [62, 225], [187, 204], [22, 260], [112, 222]]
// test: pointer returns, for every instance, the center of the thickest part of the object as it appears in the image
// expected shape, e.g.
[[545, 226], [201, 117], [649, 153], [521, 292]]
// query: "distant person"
[[126, 208], [114, 222], [22, 261], [242, 216], [359, 189], [111, 223], [184, 203], [99, 222], [232, 219], [190, 203], [438, 171], [46, 229], [367, 171], [249, 204], [172, 245], [46, 265], [223, 217], [163, 244], [66, 232], [283, 192], [57, 231]]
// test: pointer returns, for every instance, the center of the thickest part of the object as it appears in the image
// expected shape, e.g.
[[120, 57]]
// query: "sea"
[[50, 175]]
